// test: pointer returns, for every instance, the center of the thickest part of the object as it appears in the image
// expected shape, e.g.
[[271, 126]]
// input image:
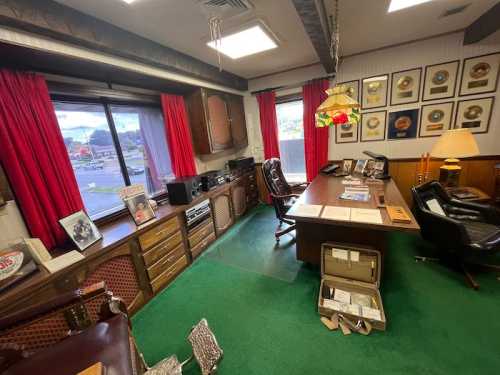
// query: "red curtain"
[[178, 135], [269, 124], [315, 139], [34, 156]]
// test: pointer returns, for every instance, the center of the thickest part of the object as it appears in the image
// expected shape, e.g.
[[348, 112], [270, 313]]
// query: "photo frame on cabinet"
[[440, 80], [373, 126], [352, 89], [435, 119], [346, 133], [405, 86], [480, 74], [82, 231], [474, 114], [402, 124], [374, 91]]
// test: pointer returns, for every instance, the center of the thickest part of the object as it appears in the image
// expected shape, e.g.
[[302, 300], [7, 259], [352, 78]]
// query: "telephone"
[[330, 169]]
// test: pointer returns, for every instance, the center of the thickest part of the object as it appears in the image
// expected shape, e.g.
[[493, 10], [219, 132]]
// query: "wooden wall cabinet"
[[217, 121]]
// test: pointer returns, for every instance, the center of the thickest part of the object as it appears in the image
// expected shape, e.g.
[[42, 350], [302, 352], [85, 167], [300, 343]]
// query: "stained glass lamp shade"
[[338, 109]]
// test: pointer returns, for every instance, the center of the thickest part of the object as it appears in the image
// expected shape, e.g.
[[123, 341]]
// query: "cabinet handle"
[[161, 231]]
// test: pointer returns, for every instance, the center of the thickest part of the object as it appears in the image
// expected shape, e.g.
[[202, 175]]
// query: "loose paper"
[[354, 309], [354, 256], [366, 215], [340, 254], [361, 299], [342, 296], [435, 207], [307, 210], [63, 261], [331, 304], [336, 213], [369, 313]]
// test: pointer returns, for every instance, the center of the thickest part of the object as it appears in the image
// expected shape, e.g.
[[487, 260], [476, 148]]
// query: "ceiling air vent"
[[453, 11], [226, 8]]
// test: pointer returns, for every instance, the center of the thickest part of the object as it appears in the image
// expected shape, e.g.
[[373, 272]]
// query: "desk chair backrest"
[[276, 184]]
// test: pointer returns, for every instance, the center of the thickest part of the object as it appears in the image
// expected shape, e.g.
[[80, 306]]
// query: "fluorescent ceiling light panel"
[[128, 1], [244, 43], [402, 4]]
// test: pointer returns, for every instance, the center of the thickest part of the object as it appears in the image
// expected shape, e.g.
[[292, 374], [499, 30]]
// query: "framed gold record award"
[[440, 80], [405, 86], [435, 119], [474, 114], [480, 74], [346, 133], [374, 91], [373, 126], [352, 89]]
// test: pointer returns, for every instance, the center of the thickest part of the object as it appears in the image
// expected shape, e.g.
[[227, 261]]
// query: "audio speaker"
[[183, 190]]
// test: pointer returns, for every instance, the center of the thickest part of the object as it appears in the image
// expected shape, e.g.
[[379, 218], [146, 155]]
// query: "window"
[[291, 139], [97, 159]]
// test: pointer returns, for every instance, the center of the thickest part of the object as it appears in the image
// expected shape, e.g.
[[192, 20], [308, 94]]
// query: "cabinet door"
[[223, 218], [239, 197], [238, 123], [219, 124]]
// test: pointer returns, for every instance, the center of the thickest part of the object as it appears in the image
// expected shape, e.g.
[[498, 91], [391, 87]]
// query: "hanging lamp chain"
[[335, 37], [215, 26]]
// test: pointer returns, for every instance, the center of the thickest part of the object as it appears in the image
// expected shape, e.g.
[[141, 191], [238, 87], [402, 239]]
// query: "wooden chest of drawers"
[[201, 236], [168, 275], [158, 233]]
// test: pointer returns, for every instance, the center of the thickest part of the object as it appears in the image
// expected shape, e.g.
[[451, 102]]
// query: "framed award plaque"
[[435, 119], [440, 80], [374, 92], [352, 89], [405, 86], [346, 133], [480, 74], [474, 114], [403, 124], [373, 126]]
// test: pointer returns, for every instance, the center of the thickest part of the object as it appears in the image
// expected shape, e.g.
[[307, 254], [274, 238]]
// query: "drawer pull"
[[160, 232]]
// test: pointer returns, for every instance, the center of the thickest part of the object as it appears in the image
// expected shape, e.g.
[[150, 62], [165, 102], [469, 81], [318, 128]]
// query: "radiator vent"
[[226, 8], [453, 11]]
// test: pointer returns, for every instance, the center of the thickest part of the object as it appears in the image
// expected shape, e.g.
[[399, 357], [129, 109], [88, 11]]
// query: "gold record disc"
[[350, 92], [372, 123], [403, 123], [435, 116], [473, 112], [440, 77], [479, 70], [405, 83], [373, 87]]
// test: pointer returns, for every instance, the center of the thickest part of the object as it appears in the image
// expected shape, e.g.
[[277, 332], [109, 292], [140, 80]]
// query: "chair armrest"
[[490, 213], [300, 184], [441, 228], [285, 196]]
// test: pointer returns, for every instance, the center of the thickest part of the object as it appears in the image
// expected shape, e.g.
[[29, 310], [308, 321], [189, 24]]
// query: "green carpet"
[[263, 312]]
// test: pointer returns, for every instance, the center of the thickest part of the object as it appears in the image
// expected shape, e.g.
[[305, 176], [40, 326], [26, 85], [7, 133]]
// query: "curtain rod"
[[294, 85]]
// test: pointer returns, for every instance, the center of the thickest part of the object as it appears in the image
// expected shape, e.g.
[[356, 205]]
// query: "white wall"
[[389, 60]]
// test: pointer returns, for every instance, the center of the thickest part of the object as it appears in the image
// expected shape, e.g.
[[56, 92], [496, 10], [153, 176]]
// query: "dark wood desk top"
[[325, 191]]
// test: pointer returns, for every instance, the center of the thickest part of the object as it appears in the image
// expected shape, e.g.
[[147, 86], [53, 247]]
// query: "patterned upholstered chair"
[[283, 195]]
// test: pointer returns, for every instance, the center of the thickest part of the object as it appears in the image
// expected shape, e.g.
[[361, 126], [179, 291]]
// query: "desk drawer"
[[158, 233], [198, 249], [168, 275], [162, 249], [201, 233], [167, 261]]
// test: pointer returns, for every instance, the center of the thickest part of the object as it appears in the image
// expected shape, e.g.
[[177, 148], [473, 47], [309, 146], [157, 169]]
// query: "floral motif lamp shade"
[[338, 109]]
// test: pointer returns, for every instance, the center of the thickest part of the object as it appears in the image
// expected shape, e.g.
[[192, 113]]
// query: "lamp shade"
[[338, 108], [456, 143]]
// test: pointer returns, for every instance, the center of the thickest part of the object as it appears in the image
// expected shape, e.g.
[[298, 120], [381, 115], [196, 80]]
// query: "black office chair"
[[464, 230], [283, 195]]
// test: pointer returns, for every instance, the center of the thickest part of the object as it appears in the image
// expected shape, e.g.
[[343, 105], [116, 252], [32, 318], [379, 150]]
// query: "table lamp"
[[453, 144]]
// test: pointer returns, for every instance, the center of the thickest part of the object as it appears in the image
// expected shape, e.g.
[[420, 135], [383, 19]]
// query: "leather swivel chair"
[[283, 195], [465, 231]]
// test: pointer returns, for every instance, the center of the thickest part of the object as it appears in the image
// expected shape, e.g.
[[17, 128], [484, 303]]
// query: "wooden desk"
[[325, 190]]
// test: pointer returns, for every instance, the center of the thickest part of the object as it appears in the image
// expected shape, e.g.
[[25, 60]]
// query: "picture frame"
[[402, 124], [81, 229], [373, 126], [405, 86], [360, 166], [440, 80], [352, 88], [474, 114], [347, 165], [346, 133], [139, 208], [435, 119], [480, 74], [374, 91]]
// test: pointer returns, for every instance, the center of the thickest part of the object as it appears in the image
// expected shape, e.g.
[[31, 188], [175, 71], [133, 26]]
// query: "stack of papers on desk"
[[336, 213], [306, 210], [366, 215]]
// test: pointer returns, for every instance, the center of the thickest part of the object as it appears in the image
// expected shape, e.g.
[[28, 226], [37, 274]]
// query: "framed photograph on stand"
[[474, 114], [435, 119], [352, 89], [374, 91], [480, 74], [405, 86], [403, 124], [373, 126], [347, 165], [140, 209], [346, 133], [440, 80], [360, 167], [82, 231]]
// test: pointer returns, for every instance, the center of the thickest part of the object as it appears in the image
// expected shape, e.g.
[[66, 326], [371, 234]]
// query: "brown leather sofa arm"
[[62, 301]]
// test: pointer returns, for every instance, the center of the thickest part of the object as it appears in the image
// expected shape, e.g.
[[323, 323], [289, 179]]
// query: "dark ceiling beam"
[[484, 26], [56, 21], [315, 20]]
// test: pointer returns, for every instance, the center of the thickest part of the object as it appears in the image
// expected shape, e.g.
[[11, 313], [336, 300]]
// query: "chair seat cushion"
[[106, 342], [478, 231]]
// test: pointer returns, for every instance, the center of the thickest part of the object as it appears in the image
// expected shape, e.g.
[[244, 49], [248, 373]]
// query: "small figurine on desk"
[[423, 170]]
